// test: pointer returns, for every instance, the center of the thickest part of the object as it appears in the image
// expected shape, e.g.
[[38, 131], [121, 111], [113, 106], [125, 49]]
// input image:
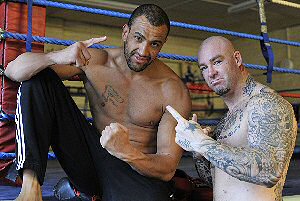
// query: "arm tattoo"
[[271, 137], [203, 169]]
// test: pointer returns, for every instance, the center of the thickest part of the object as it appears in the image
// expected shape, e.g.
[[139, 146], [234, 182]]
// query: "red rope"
[[290, 95], [199, 88], [204, 89]]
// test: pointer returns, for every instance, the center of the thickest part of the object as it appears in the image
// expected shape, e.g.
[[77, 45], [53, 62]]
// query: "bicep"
[[166, 130], [271, 130]]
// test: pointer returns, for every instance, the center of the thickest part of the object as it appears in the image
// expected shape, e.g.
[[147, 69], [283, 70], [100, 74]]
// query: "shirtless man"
[[128, 90], [254, 141]]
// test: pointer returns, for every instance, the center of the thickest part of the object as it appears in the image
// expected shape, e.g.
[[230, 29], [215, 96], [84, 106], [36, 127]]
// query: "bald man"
[[249, 159]]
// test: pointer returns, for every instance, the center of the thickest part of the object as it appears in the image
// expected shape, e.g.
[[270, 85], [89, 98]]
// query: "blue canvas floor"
[[55, 172]]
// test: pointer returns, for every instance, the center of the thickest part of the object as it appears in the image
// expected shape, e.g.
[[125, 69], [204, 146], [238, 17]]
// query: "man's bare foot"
[[31, 189]]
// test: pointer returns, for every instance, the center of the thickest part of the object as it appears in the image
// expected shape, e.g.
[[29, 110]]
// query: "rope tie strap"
[[1, 69], [29, 26], [4, 117], [265, 45], [1, 34]]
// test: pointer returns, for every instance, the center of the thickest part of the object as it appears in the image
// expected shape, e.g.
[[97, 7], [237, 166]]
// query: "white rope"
[[286, 3]]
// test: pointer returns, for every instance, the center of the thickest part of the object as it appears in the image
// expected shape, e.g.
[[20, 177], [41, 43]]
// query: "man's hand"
[[76, 54], [115, 139], [187, 132]]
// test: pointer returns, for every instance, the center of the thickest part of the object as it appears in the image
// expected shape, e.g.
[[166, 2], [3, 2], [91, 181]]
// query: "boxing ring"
[[34, 43]]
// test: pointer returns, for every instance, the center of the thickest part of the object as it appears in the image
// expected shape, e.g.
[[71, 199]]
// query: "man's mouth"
[[216, 81], [140, 60]]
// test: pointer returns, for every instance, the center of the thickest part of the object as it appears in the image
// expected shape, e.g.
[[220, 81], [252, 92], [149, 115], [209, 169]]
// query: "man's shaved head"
[[218, 42], [221, 64]]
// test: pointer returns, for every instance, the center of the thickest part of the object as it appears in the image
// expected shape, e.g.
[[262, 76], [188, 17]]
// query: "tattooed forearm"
[[203, 169], [242, 163]]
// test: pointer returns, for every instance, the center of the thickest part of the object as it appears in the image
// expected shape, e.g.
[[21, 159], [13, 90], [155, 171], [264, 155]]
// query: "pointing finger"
[[176, 115], [93, 41]]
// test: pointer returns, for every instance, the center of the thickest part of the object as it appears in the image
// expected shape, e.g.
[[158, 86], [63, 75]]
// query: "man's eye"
[[217, 62], [156, 45], [138, 38], [202, 68]]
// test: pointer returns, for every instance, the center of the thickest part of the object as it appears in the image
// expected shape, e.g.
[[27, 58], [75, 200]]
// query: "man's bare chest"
[[232, 129], [135, 102]]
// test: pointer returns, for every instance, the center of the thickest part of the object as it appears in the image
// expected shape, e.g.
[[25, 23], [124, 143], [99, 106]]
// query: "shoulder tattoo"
[[250, 86]]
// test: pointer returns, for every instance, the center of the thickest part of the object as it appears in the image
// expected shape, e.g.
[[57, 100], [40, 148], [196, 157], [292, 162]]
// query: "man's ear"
[[125, 32], [166, 39], [238, 58]]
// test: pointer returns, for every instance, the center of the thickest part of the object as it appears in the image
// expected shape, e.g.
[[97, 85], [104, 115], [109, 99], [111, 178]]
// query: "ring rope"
[[161, 55], [286, 3], [7, 156], [289, 95], [173, 23]]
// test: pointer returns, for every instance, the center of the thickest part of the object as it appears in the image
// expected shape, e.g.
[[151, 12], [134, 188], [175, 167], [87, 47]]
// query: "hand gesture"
[[187, 132], [207, 130], [77, 54], [115, 139]]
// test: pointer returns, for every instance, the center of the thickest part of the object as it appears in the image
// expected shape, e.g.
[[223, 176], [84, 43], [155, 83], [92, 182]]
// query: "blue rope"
[[209, 122], [161, 55], [29, 26], [4, 117], [49, 40], [8, 156], [77, 8], [173, 23]]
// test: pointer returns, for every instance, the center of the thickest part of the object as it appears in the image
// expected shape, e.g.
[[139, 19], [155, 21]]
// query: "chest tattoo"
[[229, 124], [111, 95]]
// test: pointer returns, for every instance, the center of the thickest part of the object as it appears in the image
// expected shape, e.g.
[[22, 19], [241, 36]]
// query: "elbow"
[[9, 72], [167, 177], [272, 181], [270, 184], [13, 75]]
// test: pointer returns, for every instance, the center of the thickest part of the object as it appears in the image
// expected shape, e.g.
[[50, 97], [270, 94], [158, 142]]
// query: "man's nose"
[[212, 72], [144, 50]]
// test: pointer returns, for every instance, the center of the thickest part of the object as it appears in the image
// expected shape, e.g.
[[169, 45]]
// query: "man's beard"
[[222, 91], [128, 55]]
